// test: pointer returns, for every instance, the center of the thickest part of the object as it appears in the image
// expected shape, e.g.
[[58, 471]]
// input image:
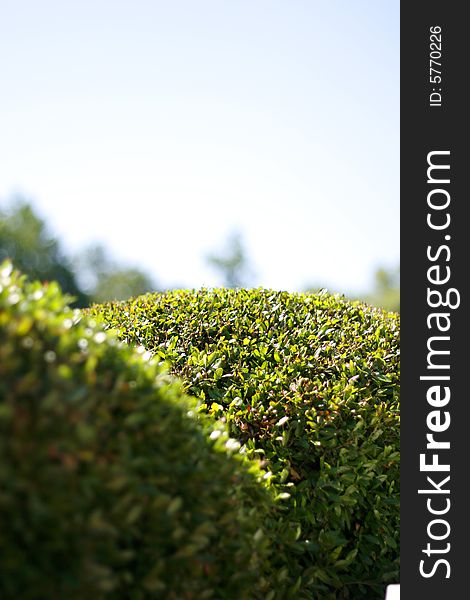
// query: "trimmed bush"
[[110, 486], [309, 383]]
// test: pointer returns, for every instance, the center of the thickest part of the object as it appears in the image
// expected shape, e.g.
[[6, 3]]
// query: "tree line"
[[93, 275], [90, 276]]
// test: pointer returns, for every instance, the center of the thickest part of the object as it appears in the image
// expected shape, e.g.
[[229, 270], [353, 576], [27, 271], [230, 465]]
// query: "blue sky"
[[158, 127]]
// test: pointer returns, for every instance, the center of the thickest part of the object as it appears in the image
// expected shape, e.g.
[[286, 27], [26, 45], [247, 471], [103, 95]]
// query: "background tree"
[[386, 292], [104, 279], [232, 264], [92, 276], [25, 239]]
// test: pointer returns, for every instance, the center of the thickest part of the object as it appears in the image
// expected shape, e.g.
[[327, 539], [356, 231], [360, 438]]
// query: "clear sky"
[[157, 127]]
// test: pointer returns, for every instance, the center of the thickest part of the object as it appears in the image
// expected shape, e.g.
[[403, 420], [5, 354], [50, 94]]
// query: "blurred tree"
[[386, 292], [233, 265], [25, 239], [105, 280]]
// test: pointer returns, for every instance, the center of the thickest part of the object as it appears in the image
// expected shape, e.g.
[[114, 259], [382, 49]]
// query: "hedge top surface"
[[269, 353], [310, 383], [111, 485]]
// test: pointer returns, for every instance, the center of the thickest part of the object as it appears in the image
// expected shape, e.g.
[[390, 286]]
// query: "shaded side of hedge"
[[309, 383], [110, 485]]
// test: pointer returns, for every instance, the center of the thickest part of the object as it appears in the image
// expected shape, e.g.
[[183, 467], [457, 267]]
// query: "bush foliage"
[[309, 384], [111, 486]]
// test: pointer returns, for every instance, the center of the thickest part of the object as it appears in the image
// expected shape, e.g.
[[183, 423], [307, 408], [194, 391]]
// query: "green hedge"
[[110, 485], [310, 384]]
